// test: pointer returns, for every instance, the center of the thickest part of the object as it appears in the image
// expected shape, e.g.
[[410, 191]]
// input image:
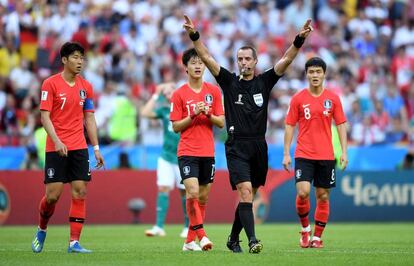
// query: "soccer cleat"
[[192, 246], [155, 231], [305, 239], [77, 248], [234, 245], [206, 244], [316, 244], [38, 241], [184, 233], [255, 246]]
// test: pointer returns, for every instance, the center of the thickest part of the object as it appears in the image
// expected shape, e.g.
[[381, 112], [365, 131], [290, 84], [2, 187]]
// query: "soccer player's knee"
[[52, 198], [303, 194], [323, 197], [192, 193], [80, 194]]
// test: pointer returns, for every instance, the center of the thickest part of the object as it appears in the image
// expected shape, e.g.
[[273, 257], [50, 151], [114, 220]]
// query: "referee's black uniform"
[[245, 104]]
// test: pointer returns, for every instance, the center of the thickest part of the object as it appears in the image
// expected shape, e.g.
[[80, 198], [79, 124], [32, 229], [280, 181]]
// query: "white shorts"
[[168, 174]]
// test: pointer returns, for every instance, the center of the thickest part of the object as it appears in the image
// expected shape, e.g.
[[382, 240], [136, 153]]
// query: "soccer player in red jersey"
[[313, 110], [66, 105], [195, 108]]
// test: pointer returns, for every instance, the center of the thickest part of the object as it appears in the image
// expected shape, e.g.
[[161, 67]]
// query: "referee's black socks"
[[237, 226], [247, 219]]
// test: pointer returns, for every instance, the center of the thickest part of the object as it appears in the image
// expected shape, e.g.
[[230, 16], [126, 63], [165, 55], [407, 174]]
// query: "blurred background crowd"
[[133, 45]]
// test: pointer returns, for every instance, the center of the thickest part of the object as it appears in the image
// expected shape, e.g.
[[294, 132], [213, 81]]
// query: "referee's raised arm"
[[290, 54], [200, 48]]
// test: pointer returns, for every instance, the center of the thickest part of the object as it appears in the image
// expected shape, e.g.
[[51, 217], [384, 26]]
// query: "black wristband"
[[194, 36], [299, 41]]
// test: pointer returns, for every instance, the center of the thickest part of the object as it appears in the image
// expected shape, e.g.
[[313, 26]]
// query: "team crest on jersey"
[[298, 173], [328, 108], [258, 99], [50, 172], [208, 99], [327, 104], [82, 94], [186, 170]]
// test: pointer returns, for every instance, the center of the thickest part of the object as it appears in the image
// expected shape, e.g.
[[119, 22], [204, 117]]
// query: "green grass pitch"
[[345, 244]]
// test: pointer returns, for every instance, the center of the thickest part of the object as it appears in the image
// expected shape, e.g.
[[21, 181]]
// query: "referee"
[[246, 98]]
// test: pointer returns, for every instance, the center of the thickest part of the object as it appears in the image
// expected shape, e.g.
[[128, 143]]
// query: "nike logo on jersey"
[[62, 94], [190, 101], [305, 105]]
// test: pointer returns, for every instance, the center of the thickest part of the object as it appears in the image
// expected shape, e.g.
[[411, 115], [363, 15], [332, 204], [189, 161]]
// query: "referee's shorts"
[[247, 161]]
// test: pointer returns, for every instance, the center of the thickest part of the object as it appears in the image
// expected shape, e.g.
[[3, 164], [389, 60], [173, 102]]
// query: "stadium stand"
[[134, 45]]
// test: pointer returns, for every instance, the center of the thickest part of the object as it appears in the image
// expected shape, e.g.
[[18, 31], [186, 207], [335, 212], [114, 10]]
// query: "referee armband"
[[88, 105]]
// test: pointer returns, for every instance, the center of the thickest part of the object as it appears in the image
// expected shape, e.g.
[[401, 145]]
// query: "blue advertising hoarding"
[[358, 196]]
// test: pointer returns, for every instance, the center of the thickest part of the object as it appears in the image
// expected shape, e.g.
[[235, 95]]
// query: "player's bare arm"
[[217, 120], [92, 131], [60, 148], [344, 145], [182, 124], [287, 160], [293, 49], [214, 119], [148, 109], [201, 49]]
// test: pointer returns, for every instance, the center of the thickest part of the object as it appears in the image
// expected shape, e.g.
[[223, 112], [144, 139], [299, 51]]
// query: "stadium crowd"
[[133, 45]]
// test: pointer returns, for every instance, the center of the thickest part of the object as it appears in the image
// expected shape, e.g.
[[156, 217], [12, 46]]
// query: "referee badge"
[[208, 99], [258, 99], [82, 94]]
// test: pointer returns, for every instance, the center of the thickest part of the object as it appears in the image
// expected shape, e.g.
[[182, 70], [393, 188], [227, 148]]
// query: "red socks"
[[195, 213], [303, 208], [321, 217], [77, 215], [46, 210]]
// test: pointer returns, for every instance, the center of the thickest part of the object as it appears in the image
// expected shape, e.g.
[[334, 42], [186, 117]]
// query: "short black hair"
[[69, 48], [315, 62], [188, 54], [249, 47]]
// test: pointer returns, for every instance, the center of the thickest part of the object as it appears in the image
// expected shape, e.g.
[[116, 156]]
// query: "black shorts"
[[67, 169], [203, 168], [247, 161], [321, 172]]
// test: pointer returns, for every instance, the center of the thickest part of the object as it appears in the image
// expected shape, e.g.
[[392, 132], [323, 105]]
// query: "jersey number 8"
[[307, 113]]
